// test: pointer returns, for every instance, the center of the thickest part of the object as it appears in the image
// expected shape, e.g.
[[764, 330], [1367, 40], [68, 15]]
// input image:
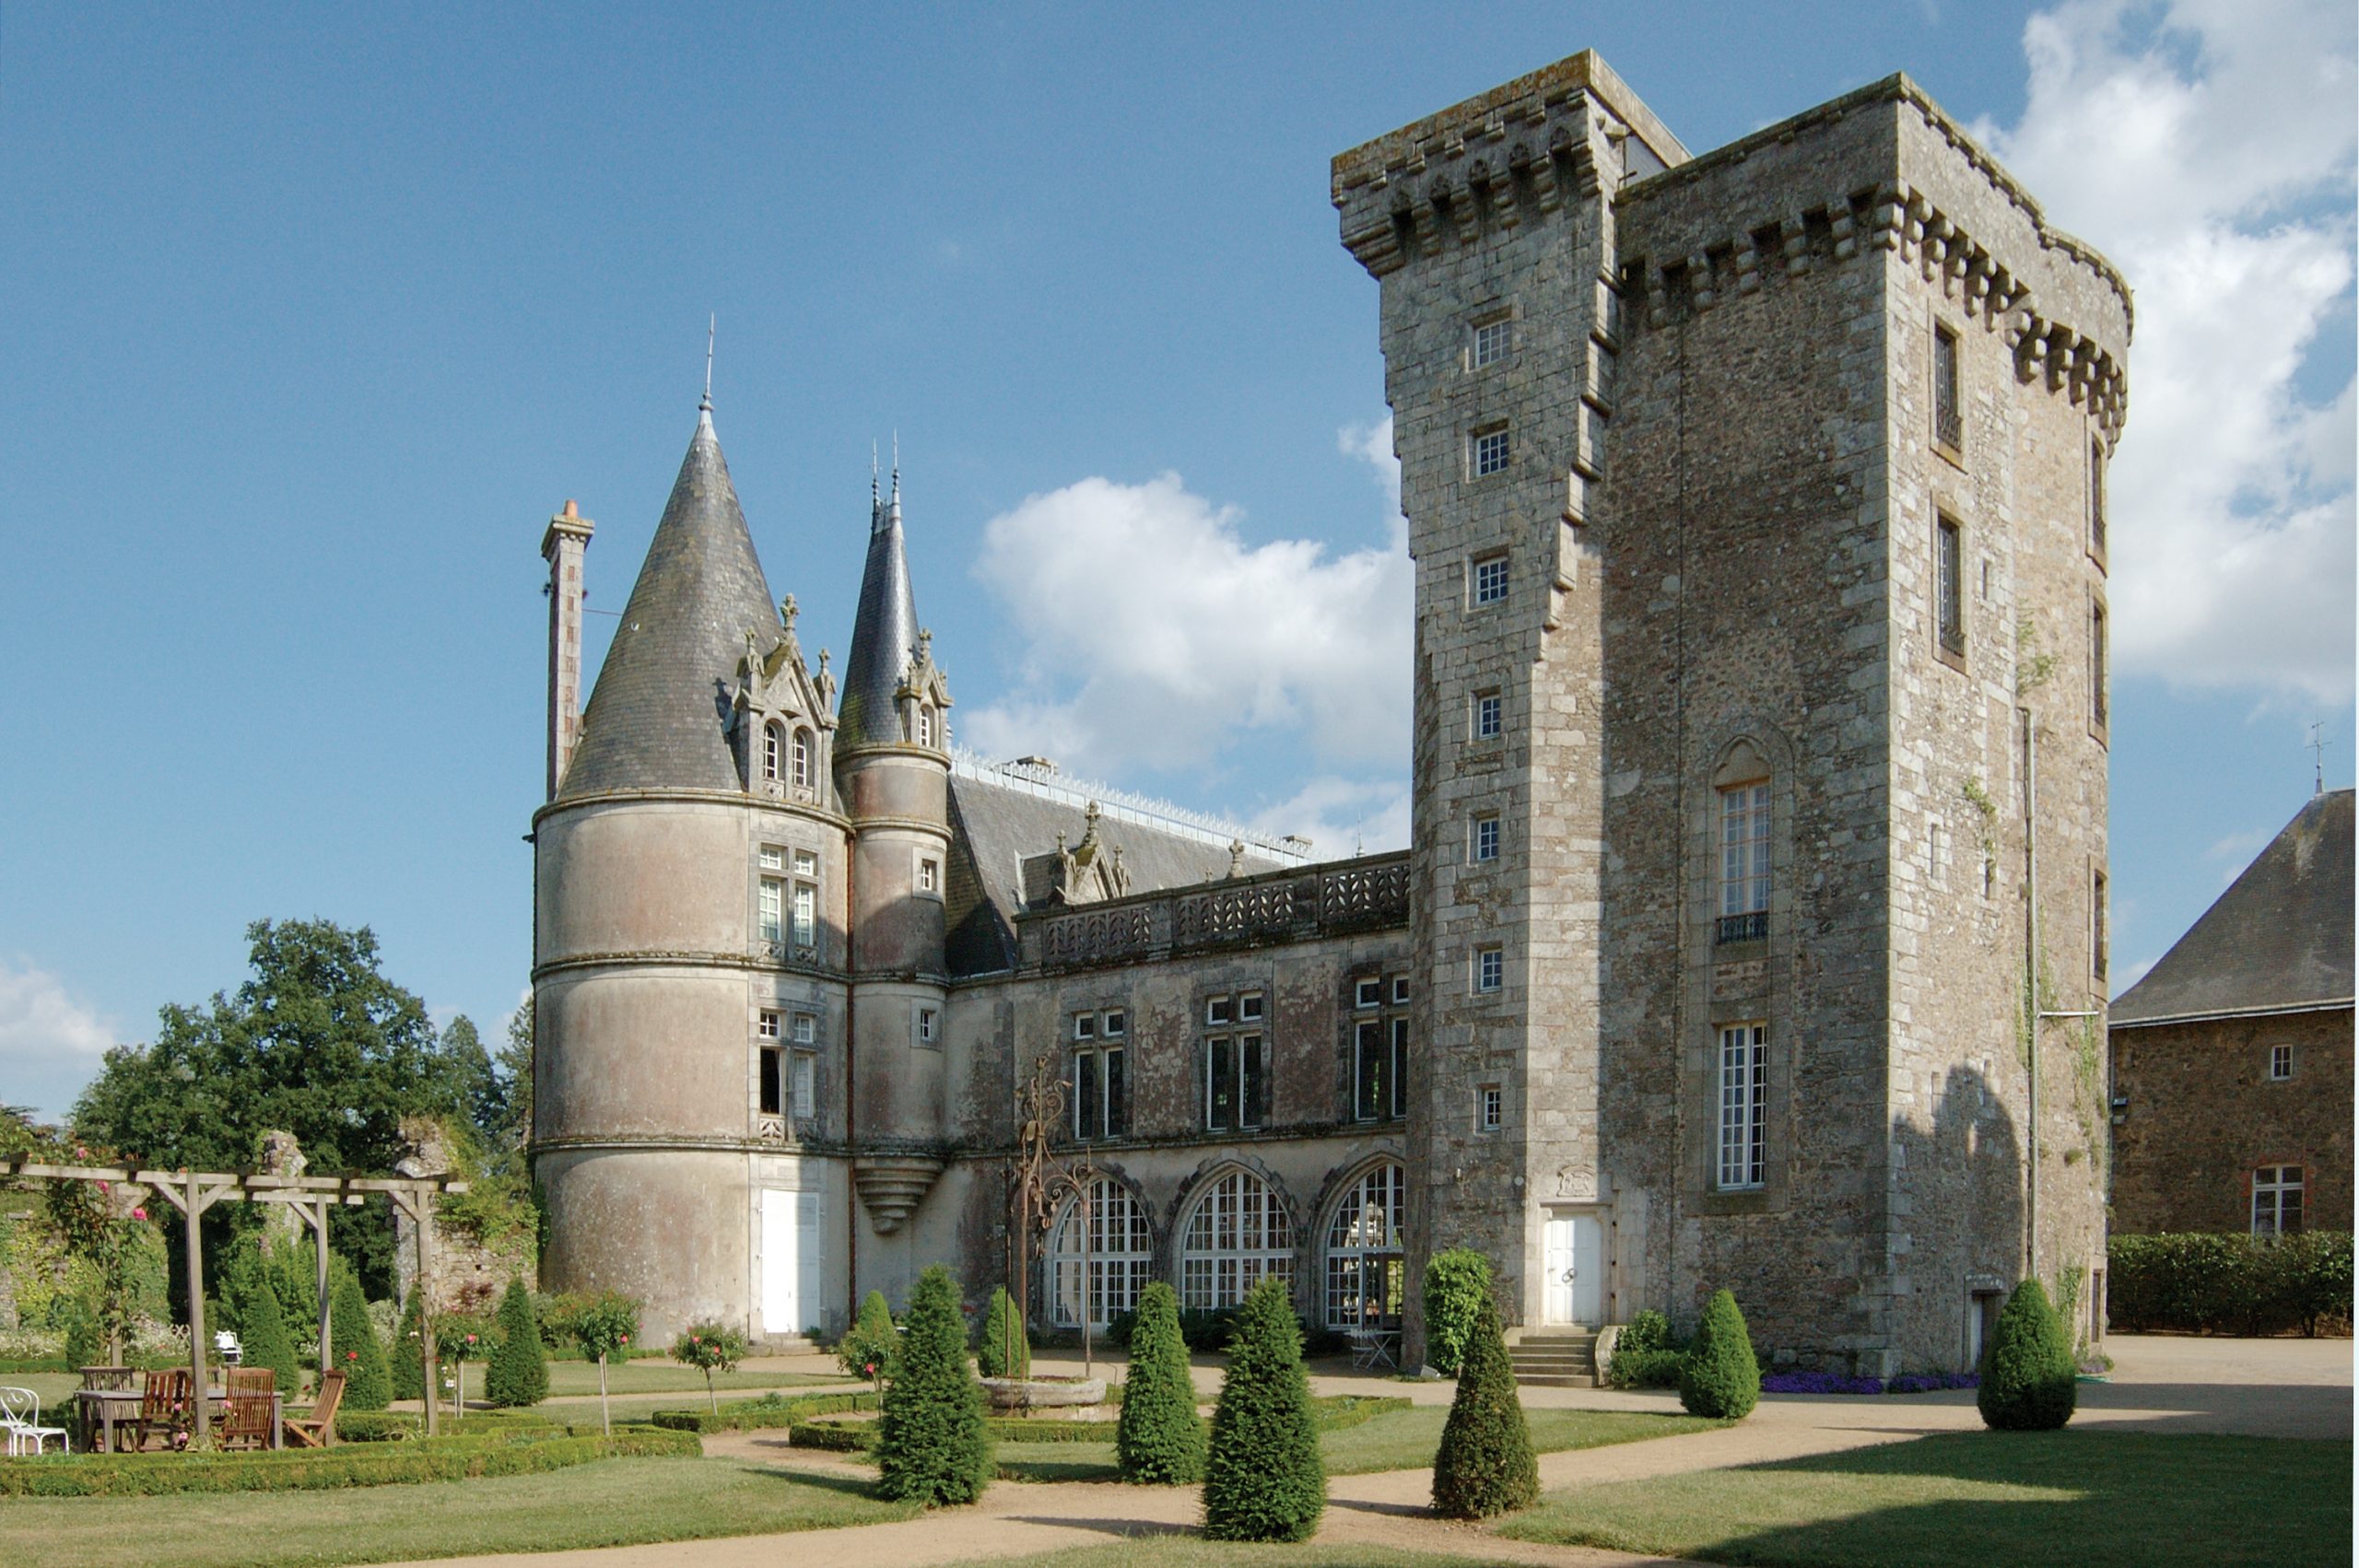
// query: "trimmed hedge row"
[[769, 1410], [2229, 1285], [439, 1458]]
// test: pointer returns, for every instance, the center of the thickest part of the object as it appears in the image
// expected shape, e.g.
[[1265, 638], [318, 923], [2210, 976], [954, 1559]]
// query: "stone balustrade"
[[1370, 893]]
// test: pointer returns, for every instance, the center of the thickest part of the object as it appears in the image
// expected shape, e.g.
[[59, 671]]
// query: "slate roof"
[[884, 633], [659, 715], [2278, 940], [996, 827]]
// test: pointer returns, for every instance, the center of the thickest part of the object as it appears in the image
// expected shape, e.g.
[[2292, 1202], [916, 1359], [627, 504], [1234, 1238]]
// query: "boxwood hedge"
[[525, 1451]]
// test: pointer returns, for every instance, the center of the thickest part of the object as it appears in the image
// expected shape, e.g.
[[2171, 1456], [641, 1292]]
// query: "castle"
[[1753, 929]]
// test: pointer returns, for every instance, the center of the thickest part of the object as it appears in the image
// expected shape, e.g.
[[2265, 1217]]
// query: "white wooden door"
[[1574, 1270], [790, 1259]]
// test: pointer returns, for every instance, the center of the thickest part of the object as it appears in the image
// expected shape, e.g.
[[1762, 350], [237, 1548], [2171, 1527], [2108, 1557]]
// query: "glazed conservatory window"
[[1239, 1233], [1365, 1270], [1116, 1249]]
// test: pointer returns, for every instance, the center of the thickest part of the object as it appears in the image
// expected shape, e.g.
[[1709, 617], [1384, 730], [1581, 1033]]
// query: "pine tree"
[[930, 1444], [264, 1342], [408, 1358], [1485, 1465], [369, 1382], [519, 1374], [1159, 1440], [2027, 1371], [1264, 1479], [1005, 1350], [1720, 1377]]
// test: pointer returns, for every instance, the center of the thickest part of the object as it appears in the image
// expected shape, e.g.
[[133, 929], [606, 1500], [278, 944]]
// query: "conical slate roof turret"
[[884, 633], [658, 716]]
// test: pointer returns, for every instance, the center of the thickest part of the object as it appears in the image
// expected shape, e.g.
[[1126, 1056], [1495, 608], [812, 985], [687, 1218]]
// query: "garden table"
[[101, 1407]]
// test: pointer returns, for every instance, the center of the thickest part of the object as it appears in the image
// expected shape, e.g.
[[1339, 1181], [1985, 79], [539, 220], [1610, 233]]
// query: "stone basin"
[[1043, 1393]]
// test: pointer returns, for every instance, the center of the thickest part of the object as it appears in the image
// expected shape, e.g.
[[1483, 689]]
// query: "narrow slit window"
[[1949, 419], [1948, 597]]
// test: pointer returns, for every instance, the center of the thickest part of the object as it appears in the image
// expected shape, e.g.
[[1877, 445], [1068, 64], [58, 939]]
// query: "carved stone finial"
[[786, 612], [1236, 857]]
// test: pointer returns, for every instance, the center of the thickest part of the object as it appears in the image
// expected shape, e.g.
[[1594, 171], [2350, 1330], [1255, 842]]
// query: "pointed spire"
[[885, 631], [712, 326], [700, 603]]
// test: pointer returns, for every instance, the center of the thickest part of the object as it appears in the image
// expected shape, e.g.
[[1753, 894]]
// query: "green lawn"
[[2085, 1497], [657, 1377], [610, 1503], [1398, 1440]]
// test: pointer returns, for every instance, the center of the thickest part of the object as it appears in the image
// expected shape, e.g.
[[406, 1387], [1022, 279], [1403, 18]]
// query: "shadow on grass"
[[1128, 1529], [822, 1481], [2089, 1499]]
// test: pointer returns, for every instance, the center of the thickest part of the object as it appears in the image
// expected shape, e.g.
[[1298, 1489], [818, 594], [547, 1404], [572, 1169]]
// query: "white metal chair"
[[20, 1417]]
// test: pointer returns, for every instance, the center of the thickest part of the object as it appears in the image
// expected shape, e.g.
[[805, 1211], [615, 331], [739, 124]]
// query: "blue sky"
[[316, 315]]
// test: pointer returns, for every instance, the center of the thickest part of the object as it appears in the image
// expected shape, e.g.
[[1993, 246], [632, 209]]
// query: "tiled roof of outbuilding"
[[658, 718], [2278, 940]]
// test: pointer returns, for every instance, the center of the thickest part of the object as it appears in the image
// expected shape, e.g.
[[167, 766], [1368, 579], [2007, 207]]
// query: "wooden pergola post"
[[193, 1192]]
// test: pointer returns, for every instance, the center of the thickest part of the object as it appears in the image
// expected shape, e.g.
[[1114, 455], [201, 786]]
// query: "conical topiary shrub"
[[2027, 1367], [1720, 1377], [1485, 1465], [1264, 1479], [1005, 1350], [368, 1380], [519, 1374], [408, 1358], [263, 1341], [930, 1444], [1159, 1440]]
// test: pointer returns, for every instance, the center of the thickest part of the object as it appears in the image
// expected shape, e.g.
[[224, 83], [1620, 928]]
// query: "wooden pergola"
[[193, 1192]]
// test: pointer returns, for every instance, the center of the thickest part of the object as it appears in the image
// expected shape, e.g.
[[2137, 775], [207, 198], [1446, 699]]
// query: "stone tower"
[[892, 771], [687, 947], [1755, 500]]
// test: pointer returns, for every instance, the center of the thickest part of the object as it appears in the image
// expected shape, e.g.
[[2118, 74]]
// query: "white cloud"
[[50, 1044], [1153, 636], [1342, 816], [2208, 148]]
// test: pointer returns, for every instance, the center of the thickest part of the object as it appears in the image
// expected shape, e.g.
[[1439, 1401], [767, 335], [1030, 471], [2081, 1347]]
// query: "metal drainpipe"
[[2031, 1001]]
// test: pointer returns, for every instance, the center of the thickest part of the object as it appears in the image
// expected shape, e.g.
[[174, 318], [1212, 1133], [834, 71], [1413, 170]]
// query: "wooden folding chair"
[[318, 1429]]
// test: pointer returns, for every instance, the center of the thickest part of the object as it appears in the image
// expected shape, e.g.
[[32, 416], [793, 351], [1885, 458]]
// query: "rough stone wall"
[[1745, 614], [2202, 1112]]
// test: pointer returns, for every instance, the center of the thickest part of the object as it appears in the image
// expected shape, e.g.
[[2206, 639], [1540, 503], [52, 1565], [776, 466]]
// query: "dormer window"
[[802, 756], [770, 751], [925, 724]]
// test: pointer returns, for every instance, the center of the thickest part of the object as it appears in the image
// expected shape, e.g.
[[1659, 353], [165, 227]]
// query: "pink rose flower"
[[139, 1213]]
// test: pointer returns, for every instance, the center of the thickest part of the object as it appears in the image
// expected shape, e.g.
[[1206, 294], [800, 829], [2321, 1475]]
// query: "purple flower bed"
[[1837, 1383]]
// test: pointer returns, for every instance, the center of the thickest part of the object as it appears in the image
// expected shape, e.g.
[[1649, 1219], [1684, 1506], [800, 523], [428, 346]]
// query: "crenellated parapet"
[[1515, 154]]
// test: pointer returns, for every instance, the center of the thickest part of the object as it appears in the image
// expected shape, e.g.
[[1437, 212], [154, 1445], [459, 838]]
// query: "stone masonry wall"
[[2202, 1113]]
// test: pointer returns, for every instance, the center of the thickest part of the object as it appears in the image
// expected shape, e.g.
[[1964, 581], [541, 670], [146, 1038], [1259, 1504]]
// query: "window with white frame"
[[925, 725], [1490, 716], [802, 759], [1490, 454], [1084, 1025], [1236, 1061], [1367, 993], [1101, 1092], [1490, 968], [1490, 1108], [806, 1073], [928, 1027], [1236, 1236], [1115, 1023], [1744, 862], [806, 916], [928, 876], [1744, 1099], [2276, 1201], [1400, 990], [771, 910], [766, 1026], [1366, 1272], [806, 864], [1486, 837], [1108, 1246], [772, 857], [1490, 342], [769, 751], [2280, 1063], [1491, 581], [806, 1029]]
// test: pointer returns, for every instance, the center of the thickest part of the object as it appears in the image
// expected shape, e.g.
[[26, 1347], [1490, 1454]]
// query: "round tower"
[[688, 956], [892, 768]]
